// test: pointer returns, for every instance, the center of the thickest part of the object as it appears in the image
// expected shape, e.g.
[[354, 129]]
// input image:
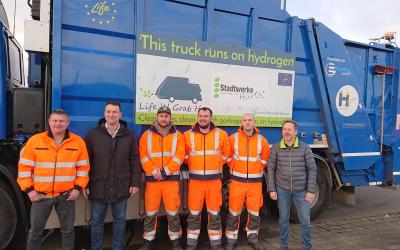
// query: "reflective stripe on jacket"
[[165, 153], [206, 153], [52, 170], [250, 154]]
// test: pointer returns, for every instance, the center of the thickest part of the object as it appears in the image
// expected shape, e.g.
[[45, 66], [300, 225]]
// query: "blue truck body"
[[94, 61], [337, 99]]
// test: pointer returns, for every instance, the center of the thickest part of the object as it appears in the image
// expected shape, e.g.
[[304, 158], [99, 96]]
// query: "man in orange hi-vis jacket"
[[162, 150], [207, 149], [250, 151], [52, 169]]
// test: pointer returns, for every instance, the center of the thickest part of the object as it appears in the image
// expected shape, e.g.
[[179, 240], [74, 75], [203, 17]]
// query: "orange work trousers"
[[168, 192], [210, 192], [239, 192]]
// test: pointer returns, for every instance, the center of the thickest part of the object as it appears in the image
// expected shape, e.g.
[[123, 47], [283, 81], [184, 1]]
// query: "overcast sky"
[[356, 20]]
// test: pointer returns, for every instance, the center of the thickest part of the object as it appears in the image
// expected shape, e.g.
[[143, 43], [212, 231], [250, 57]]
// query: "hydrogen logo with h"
[[347, 100]]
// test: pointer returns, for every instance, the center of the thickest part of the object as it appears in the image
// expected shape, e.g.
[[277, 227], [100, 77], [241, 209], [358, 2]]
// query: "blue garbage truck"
[[244, 56]]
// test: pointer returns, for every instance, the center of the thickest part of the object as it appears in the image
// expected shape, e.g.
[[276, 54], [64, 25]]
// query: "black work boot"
[[176, 245], [217, 247], [230, 246], [257, 245], [191, 247], [147, 245]]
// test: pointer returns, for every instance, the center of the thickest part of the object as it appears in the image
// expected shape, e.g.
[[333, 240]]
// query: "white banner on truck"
[[238, 81]]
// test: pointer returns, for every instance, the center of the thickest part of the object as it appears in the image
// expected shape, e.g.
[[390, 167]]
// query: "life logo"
[[101, 12], [347, 100]]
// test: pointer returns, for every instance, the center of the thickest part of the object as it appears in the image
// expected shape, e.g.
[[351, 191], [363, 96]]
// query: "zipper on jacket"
[[291, 172], [55, 168], [162, 152], [247, 153], [204, 155]]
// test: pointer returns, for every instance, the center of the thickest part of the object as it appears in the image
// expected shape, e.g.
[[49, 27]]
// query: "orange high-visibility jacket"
[[53, 170], [164, 153], [206, 153], [249, 156]]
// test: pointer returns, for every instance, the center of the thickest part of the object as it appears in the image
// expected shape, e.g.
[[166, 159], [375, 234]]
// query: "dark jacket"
[[292, 168], [114, 163]]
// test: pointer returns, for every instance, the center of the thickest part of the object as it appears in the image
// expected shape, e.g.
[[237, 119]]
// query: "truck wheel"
[[194, 100], [321, 195], [171, 99], [8, 216]]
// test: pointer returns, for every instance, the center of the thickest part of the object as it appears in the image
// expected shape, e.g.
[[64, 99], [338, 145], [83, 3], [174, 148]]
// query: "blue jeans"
[[98, 215], [303, 210]]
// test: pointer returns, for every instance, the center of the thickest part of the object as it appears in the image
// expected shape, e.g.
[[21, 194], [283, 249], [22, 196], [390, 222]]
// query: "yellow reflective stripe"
[[166, 170], [53, 164], [82, 173], [207, 152], [144, 160], [232, 234], [213, 212], [176, 159], [192, 139], [236, 144], [27, 162], [255, 213], [24, 174], [194, 212], [251, 231], [207, 172], [246, 175], [258, 145], [151, 213], [50, 178], [244, 158], [82, 163], [215, 237], [174, 143], [234, 213], [172, 213], [263, 162], [160, 154], [149, 142], [217, 139]]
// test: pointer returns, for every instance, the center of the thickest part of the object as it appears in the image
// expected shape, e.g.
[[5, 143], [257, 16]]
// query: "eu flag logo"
[[285, 79]]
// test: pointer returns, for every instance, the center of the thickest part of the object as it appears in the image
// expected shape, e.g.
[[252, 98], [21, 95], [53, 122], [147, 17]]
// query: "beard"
[[205, 126]]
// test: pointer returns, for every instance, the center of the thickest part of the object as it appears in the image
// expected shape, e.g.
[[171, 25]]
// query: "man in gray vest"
[[292, 176]]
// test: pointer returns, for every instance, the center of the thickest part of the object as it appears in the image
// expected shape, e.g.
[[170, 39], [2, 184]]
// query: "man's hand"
[[85, 192], [310, 197], [157, 174], [34, 196], [133, 190], [273, 195], [73, 195]]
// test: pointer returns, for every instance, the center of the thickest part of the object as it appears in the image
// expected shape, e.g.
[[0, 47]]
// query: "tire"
[[171, 99], [194, 100], [8, 216], [321, 195]]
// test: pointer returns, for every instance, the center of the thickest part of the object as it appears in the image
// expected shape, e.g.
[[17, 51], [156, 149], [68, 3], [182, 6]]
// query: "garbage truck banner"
[[187, 75]]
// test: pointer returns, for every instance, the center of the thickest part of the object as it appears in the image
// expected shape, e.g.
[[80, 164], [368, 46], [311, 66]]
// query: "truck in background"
[[346, 94]]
